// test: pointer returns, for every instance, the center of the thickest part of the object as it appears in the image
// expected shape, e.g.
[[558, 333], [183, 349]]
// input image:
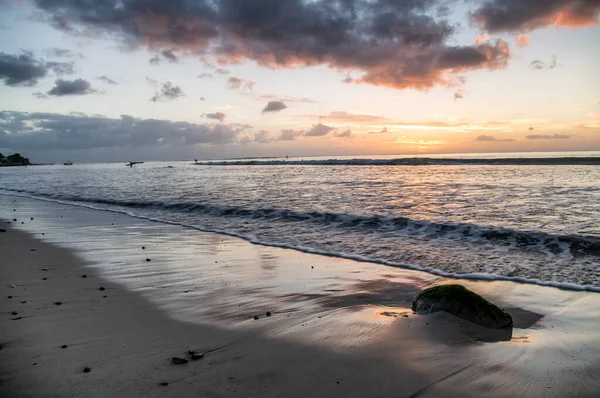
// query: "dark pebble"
[[9, 297], [32, 218], [164, 383], [84, 276], [14, 312], [57, 303], [144, 248], [44, 279], [268, 313], [23, 302], [44, 269], [31, 250], [179, 361], [195, 357], [14, 219], [148, 259], [101, 288], [312, 267], [43, 233], [255, 317], [86, 370], [2, 230], [337, 382], [63, 346], [17, 318], [22, 222], [105, 296]]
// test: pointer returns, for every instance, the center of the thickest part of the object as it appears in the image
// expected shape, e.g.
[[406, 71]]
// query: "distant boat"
[[68, 163]]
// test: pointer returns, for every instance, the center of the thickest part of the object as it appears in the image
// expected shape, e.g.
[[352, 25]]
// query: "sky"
[[116, 80]]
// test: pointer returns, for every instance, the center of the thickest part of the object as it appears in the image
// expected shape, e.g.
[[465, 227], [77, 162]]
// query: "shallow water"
[[537, 223]]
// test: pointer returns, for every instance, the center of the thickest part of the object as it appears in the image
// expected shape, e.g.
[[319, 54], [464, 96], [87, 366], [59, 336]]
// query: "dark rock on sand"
[[148, 259], [84, 276], [2, 230], [255, 317], [143, 247], [101, 288], [268, 313], [44, 269], [14, 219], [31, 250], [463, 303], [164, 383], [57, 303], [9, 297], [14, 312], [196, 357], [179, 361], [63, 346], [86, 370], [17, 318], [44, 279]]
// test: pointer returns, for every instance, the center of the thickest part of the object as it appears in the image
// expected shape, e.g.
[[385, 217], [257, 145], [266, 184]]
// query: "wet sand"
[[338, 327]]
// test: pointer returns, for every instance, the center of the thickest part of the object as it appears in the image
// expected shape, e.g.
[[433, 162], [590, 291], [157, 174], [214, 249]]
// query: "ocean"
[[531, 218]]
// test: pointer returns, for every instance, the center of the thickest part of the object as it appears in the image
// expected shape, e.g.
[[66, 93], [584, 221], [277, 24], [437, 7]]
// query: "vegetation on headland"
[[13, 160]]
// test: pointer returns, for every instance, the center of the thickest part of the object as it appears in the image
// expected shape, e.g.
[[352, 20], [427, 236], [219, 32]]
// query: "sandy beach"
[[338, 328]]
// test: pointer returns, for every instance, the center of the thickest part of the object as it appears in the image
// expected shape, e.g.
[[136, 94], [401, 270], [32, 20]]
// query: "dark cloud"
[[61, 68], [170, 56], [399, 44], [274, 106], [56, 131], [21, 70], [458, 95], [71, 87], [235, 83], [318, 130], [155, 60], [289, 135], [539, 65], [40, 95], [549, 137], [107, 80], [222, 71], [203, 75], [167, 92], [488, 138], [220, 116], [202, 99], [527, 15]]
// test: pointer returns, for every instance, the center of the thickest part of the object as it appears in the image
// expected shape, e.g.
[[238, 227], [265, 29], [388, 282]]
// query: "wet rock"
[[179, 361], [14, 219], [44, 269], [86, 370], [463, 303], [15, 313], [31, 250], [9, 297], [63, 346], [148, 259], [256, 318], [164, 383], [143, 247], [23, 302], [57, 303], [2, 230], [196, 357], [101, 288], [44, 279], [31, 218], [84, 276], [17, 318], [268, 313]]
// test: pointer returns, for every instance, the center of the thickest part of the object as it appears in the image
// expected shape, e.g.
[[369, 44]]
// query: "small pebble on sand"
[[164, 383], [148, 259], [101, 288], [14, 312], [63, 346], [84, 276], [268, 313], [86, 370], [57, 303], [256, 318]]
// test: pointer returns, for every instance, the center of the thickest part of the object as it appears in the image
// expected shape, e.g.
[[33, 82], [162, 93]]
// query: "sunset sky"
[[111, 80]]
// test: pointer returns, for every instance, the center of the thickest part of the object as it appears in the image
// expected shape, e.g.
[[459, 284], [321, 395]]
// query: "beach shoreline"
[[337, 327]]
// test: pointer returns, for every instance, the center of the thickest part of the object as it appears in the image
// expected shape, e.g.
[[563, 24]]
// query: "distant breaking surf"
[[566, 161]]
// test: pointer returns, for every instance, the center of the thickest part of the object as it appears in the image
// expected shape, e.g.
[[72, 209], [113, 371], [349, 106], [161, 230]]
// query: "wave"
[[431, 270], [549, 244], [559, 161]]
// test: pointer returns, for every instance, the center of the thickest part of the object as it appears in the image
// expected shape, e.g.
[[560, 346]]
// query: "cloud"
[[61, 68], [155, 60], [289, 135], [202, 99], [40, 95], [107, 80], [262, 137], [398, 44], [344, 134], [346, 117], [205, 75], [549, 137], [539, 65], [71, 87], [235, 83], [382, 131], [274, 106], [167, 92], [522, 41], [488, 138], [21, 70], [220, 116], [57, 131], [318, 130], [527, 15], [286, 98], [56, 52], [458, 95], [167, 55], [222, 71]]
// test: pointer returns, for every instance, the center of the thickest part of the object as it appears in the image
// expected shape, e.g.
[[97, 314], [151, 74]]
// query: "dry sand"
[[338, 328]]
